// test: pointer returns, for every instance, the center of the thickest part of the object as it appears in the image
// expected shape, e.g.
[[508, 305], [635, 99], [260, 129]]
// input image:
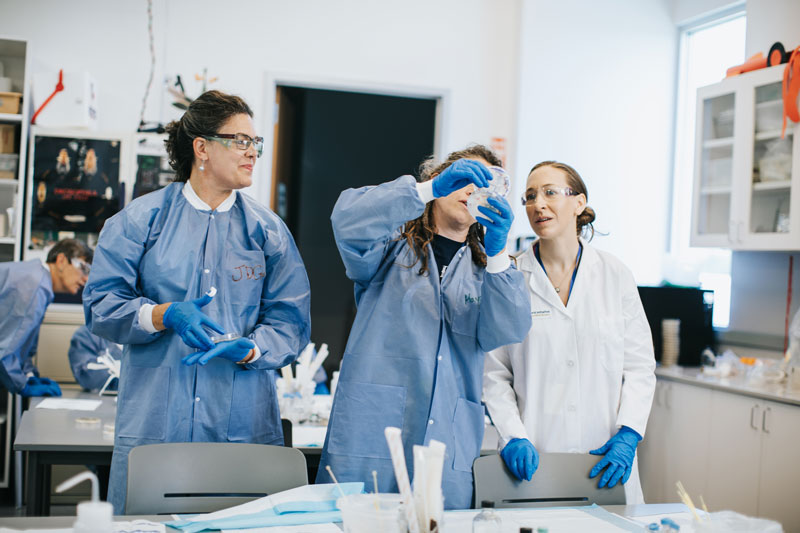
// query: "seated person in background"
[[84, 348], [26, 289]]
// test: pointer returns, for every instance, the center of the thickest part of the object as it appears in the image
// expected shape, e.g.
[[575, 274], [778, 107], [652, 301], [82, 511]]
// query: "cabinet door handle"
[[753, 415], [764, 420], [668, 397]]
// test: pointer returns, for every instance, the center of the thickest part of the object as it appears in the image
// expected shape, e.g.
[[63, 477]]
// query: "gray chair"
[[562, 479], [202, 477]]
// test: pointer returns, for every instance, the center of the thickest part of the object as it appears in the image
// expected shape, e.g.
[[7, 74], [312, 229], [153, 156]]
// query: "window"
[[706, 52]]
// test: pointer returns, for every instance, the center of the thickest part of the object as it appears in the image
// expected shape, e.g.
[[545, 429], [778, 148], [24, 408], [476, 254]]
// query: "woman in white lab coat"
[[583, 379]]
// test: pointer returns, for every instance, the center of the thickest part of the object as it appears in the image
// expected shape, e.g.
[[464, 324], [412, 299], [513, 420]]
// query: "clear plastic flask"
[[498, 187]]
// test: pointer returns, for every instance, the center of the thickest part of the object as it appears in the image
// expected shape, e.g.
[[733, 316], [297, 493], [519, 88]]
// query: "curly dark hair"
[[205, 116], [420, 231]]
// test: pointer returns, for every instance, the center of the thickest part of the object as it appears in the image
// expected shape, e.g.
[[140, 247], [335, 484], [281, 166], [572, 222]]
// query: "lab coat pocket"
[[254, 415], [465, 306], [146, 398], [468, 433], [612, 347], [360, 413], [243, 277]]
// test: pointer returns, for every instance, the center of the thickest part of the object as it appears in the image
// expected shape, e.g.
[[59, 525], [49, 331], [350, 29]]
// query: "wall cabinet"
[[746, 177], [739, 452]]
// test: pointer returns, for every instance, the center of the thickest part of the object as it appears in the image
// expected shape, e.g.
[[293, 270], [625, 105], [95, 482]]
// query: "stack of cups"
[[670, 341]]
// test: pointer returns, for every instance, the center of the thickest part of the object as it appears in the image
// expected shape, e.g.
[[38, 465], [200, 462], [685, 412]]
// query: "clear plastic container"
[[371, 513], [498, 186], [225, 337], [487, 521], [731, 522]]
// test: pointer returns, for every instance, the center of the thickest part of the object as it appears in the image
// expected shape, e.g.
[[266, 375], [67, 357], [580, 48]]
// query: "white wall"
[[466, 47], [597, 85]]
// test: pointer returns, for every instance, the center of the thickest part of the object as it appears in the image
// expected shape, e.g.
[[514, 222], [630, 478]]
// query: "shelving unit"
[[15, 56]]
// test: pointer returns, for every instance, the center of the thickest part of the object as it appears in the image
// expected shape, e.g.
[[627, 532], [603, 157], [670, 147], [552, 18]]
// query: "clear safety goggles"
[[82, 266], [548, 192], [239, 141]]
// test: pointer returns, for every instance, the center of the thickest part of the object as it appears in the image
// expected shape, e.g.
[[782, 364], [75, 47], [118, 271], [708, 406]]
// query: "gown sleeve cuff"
[[146, 318], [256, 356], [425, 191], [498, 263]]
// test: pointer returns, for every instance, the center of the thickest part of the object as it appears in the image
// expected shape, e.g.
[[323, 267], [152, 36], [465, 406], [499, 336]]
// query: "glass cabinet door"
[[772, 164], [716, 165]]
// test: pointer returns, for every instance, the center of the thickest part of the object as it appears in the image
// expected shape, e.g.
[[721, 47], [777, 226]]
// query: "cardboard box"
[[8, 166], [74, 107], [10, 103], [8, 137]]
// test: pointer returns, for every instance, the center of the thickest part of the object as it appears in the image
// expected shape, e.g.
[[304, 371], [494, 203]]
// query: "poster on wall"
[[76, 186]]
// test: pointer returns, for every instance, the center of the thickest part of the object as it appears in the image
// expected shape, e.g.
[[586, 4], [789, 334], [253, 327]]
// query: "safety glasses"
[[239, 141], [82, 266], [548, 192]]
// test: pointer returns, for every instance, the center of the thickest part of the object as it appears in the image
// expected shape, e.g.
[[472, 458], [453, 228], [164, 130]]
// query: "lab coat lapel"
[[539, 283], [589, 259]]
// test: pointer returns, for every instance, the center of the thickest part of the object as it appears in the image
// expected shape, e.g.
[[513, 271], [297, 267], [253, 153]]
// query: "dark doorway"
[[325, 142]]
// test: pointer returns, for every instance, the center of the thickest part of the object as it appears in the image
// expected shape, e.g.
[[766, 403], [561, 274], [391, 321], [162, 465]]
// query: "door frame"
[[263, 185]]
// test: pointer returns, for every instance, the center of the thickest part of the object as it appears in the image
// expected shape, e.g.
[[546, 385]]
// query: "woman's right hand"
[[188, 320], [460, 174]]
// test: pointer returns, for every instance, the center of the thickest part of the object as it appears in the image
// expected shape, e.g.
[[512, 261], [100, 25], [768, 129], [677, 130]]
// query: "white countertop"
[[738, 384]]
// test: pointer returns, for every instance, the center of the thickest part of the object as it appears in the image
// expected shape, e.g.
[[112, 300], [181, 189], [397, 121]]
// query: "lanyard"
[[574, 272]]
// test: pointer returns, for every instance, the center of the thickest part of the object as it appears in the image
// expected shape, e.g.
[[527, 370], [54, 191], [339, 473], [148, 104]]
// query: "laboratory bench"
[[738, 384], [733, 440], [62, 437], [630, 512]]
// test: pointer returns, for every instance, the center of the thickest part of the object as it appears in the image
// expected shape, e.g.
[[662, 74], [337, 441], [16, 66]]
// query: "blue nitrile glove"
[[232, 350], [497, 224], [41, 387], [521, 458], [619, 452], [460, 174], [188, 320]]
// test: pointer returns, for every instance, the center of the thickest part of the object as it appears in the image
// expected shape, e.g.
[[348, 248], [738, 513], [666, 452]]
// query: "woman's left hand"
[[498, 224], [232, 350]]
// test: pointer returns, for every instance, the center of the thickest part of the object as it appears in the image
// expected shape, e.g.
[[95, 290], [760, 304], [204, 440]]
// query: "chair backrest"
[[201, 477], [562, 479]]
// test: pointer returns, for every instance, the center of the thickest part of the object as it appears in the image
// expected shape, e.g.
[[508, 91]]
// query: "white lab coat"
[[583, 371]]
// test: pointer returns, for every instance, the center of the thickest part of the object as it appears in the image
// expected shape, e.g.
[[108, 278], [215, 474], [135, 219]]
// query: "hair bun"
[[585, 220]]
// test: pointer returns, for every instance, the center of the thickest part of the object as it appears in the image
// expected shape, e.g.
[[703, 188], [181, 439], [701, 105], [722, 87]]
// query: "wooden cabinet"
[[741, 453], [734, 461], [746, 178], [779, 481], [676, 442]]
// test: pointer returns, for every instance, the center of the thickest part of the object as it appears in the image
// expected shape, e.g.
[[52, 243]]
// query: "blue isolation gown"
[[168, 246], [414, 359], [26, 289], [84, 348]]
